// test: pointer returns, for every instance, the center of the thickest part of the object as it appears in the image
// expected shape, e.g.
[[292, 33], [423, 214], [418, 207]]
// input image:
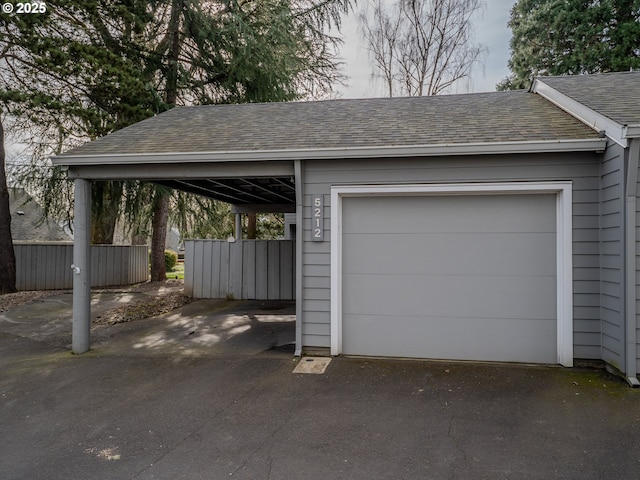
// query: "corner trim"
[[564, 235]]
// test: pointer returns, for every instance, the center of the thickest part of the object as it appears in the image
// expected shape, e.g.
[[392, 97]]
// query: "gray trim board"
[[264, 208], [610, 254], [190, 170], [632, 264]]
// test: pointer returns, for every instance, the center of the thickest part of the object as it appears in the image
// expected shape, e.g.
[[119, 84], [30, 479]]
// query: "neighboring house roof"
[[28, 222], [340, 127], [608, 101]]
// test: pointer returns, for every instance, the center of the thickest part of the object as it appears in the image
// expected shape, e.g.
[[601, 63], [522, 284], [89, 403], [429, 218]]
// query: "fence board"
[[47, 266], [273, 271], [189, 247], [247, 269], [235, 269], [262, 270]]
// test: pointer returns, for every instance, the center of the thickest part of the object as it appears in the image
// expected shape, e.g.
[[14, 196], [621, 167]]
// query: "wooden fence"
[[47, 266], [245, 269]]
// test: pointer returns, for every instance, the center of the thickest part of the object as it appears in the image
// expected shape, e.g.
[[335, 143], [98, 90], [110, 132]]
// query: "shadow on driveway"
[[205, 327]]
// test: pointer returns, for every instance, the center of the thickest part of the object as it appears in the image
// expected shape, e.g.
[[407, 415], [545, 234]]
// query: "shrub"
[[170, 259]]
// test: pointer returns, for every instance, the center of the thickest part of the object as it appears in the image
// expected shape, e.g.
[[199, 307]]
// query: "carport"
[[190, 161]]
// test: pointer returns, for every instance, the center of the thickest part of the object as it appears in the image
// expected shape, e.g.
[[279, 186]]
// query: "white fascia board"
[[535, 146], [586, 115]]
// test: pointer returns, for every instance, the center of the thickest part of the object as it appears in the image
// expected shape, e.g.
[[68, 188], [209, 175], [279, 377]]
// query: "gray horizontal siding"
[[246, 269], [47, 266], [582, 169], [612, 256]]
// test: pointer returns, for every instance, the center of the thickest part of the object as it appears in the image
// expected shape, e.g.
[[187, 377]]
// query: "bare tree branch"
[[421, 47]]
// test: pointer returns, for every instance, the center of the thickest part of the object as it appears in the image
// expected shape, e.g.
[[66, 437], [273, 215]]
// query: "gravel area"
[[143, 306], [11, 300], [165, 296]]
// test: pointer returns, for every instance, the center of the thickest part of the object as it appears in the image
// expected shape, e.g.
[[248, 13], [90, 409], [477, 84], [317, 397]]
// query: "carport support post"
[[238, 226], [81, 266]]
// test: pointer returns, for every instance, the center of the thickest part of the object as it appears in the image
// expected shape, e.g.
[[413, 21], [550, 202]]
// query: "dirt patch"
[[12, 300], [150, 299], [143, 306]]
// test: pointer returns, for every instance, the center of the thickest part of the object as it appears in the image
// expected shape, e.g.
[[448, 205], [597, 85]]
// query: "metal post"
[[81, 266], [238, 226], [297, 165]]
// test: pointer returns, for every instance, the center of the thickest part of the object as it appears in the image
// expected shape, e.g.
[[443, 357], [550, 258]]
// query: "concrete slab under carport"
[[203, 328]]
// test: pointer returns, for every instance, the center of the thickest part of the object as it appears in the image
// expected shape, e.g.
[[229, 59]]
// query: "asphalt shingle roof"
[[377, 122], [614, 95]]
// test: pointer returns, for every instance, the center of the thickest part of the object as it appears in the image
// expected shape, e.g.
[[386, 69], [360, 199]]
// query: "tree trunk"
[[105, 201], [7, 255], [251, 226], [158, 239], [174, 54], [161, 199]]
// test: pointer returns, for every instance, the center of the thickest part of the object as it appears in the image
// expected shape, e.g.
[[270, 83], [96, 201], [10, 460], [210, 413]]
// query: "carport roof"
[[338, 128]]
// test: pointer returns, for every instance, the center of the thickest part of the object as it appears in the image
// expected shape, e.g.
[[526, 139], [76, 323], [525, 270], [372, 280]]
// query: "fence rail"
[[47, 266], [245, 269]]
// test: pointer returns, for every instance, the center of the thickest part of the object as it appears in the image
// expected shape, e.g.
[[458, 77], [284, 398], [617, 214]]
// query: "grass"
[[177, 272]]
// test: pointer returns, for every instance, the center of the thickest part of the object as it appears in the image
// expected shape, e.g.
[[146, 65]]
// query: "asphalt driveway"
[[207, 392]]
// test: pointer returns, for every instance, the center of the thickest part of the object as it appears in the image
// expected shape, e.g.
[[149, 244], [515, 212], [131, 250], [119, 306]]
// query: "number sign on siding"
[[317, 219]]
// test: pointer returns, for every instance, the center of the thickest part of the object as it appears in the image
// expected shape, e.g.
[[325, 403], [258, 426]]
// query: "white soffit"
[[616, 132]]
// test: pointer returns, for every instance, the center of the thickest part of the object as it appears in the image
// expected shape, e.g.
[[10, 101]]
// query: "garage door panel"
[[476, 254], [505, 339], [448, 214], [453, 277], [450, 295]]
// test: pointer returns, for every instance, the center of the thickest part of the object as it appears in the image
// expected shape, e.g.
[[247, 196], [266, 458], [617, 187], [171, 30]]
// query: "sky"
[[491, 30]]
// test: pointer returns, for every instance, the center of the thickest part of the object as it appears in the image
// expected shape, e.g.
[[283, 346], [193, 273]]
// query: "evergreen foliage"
[[558, 37], [86, 68]]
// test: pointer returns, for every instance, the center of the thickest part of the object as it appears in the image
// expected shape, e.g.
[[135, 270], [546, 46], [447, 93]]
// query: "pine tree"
[[86, 68], [558, 37]]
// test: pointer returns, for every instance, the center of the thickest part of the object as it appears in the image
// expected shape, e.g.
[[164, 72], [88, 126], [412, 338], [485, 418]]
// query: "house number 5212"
[[317, 220]]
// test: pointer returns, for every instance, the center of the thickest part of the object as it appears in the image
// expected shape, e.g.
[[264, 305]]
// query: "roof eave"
[[532, 146], [586, 115], [631, 131]]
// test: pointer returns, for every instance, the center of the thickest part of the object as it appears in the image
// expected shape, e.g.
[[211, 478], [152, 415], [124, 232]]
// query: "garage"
[[462, 275]]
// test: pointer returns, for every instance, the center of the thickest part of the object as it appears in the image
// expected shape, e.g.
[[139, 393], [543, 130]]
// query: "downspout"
[[297, 168], [631, 266]]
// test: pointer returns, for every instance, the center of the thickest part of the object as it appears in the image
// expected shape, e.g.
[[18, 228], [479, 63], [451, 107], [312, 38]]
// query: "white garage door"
[[468, 277]]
